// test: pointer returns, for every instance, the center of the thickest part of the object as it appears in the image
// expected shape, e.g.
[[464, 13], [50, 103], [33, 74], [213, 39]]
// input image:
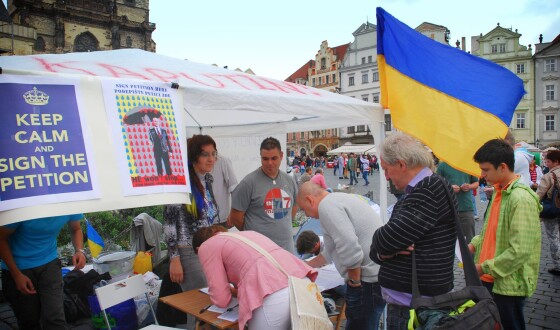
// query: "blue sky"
[[275, 38]]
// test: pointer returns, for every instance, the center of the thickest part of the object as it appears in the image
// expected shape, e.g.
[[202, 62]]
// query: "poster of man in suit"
[[162, 147]]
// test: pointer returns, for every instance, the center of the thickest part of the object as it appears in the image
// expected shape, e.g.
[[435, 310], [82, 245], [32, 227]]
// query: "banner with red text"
[[45, 153], [144, 123]]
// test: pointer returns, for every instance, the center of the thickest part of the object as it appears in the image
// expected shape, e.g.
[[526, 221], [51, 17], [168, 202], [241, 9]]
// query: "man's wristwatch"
[[354, 282]]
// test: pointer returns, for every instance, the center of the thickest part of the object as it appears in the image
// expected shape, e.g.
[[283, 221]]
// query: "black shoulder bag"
[[469, 308], [550, 206]]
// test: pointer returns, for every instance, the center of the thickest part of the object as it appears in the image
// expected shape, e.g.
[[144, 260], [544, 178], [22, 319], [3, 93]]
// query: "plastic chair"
[[115, 293]]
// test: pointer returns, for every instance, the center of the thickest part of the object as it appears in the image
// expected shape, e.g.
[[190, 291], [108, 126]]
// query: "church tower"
[[64, 26]]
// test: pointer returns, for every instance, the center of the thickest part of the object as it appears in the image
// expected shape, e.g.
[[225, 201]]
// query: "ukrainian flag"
[[450, 100], [95, 241]]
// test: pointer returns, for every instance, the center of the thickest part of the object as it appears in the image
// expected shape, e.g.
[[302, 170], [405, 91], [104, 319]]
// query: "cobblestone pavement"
[[542, 309]]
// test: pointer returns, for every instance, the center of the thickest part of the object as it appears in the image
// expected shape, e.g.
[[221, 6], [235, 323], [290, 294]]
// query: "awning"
[[355, 148]]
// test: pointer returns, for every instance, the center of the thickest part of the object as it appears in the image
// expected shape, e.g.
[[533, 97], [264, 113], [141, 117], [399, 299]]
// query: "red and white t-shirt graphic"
[[277, 203]]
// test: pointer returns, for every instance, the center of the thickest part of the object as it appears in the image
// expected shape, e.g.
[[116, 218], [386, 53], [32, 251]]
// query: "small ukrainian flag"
[[95, 241]]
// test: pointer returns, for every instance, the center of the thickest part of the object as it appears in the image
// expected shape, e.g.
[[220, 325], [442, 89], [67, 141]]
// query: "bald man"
[[348, 224]]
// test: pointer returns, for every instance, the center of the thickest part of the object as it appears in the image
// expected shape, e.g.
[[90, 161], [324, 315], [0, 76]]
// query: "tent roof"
[[355, 148], [218, 102]]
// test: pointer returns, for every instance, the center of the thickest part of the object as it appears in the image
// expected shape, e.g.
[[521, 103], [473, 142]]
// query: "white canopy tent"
[[355, 148], [224, 104]]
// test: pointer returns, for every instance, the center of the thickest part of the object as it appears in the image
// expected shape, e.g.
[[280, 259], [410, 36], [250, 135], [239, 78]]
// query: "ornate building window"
[[128, 41], [375, 76], [502, 48], [549, 92], [364, 78], [520, 68], [549, 123], [86, 42], [39, 44], [350, 81], [350, 130], [361, 128], [323, 63], [550, 65], [520, 120]]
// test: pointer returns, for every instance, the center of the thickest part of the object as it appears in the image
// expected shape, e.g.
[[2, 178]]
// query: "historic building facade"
[[547, 87], [502, 47], [359, 78], [436, 32], [359, 75], [15, 39], [322, 73], [64, 26]]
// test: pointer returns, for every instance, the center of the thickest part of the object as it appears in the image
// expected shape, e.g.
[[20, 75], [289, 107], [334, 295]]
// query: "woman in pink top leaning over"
[[261, 289], [319, 178]]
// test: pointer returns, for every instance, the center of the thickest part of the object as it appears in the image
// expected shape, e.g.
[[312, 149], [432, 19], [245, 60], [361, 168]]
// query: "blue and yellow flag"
[[450, 100], [95, 241]]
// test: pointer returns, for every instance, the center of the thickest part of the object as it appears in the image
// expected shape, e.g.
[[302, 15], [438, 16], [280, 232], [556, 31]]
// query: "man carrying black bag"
[[422, 220], [507, 251]]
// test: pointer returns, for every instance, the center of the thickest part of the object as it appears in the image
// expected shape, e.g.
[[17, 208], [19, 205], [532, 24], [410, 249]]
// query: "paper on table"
[[231, 316], [328, 278], [217, 309]]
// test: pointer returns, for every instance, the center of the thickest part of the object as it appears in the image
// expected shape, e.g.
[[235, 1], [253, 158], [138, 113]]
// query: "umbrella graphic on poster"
[[141, 115], [152, 146]]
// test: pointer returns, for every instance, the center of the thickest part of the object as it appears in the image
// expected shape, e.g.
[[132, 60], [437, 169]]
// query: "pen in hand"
[[205, 309]]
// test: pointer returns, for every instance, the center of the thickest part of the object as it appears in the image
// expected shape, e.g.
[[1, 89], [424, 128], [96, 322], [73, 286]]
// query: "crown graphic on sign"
[[36, 97]]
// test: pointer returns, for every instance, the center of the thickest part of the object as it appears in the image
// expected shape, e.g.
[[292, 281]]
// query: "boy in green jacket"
[[507, 252]]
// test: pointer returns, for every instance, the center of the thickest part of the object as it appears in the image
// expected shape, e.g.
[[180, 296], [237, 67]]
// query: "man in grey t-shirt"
[[263, 200]]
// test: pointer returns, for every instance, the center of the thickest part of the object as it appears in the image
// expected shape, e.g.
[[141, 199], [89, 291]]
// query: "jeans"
[[364, 306], [397, 317], [510, 308], [353, 178], [43, 310], [365, 175], [552, 228]]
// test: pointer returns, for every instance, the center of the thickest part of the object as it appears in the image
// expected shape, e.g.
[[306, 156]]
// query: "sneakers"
[[554, 271]]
